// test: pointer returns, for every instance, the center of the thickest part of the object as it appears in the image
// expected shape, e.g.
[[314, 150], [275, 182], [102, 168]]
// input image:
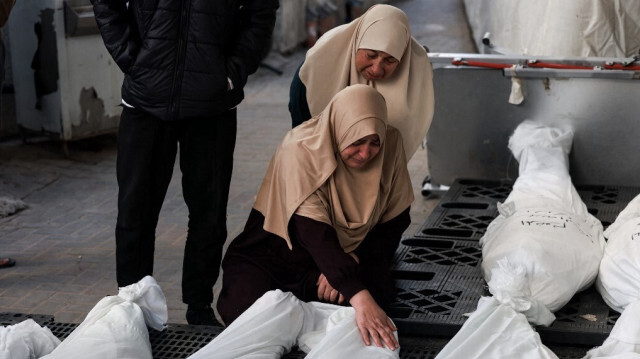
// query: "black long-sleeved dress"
[[258, 261]]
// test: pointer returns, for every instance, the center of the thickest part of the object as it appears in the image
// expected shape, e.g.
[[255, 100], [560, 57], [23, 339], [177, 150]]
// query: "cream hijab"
[[330, 66], [307, 168]]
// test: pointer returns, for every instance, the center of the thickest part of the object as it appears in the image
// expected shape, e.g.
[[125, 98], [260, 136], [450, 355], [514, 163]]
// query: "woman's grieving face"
[[375, 65], [361, 152]]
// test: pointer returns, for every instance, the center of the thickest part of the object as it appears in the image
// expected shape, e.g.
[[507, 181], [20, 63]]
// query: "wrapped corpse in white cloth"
[[278, 320], [619, 284], [619, 278], [116, 328], [542, 248], [26, 340]]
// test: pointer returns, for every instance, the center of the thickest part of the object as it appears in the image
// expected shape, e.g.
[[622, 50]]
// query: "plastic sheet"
[[26, 340], [585, 28]]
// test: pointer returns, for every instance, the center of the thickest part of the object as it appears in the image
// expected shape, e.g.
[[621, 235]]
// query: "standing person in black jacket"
[[185, 64], [5, 10]]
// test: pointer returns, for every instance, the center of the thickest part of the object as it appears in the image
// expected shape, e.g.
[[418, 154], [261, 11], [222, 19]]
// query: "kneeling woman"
[[328, 216]]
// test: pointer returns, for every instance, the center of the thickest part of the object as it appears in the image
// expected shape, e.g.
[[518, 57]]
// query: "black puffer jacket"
[[177, 54]]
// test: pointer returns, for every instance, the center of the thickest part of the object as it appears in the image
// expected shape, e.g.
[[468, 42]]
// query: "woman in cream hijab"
[[328, 216], [376, 49]]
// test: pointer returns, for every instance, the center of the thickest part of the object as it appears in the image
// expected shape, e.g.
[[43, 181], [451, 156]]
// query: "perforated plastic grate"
[[438, 273], [61, 330], [422, 254], [180, 341], [13, 318], [489, 190], [436, 306], [466, 210], [585, 320], [605, 202]]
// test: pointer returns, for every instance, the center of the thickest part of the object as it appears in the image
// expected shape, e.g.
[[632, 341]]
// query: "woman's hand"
[[372, 321], [326, 292]]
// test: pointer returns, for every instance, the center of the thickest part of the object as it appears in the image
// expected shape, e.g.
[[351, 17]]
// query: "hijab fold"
[[307, 163], [330, 66]]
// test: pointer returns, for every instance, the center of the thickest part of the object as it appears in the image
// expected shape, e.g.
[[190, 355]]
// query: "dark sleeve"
[[116, 26], [257, 19], [321, 241], [5, 10], [376, 255], [298, 106]]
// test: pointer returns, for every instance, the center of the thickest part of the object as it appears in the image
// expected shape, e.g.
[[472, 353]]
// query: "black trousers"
[[147, 148]]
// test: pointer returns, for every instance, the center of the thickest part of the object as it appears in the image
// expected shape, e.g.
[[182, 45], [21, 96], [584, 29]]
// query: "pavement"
[[64, 241]]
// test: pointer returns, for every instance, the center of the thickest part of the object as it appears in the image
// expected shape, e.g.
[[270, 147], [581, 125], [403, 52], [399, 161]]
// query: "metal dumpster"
[[473, 117]]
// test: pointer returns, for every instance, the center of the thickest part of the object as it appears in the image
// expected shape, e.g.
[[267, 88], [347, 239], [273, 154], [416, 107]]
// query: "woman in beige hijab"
[[328, 216], [376, 49]]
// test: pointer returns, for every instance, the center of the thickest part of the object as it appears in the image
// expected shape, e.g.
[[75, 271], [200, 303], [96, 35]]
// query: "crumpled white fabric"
[[619, 284], [26, 340], [619, 279], [278, 320], [516, 96], [496, 331], [543, 236], [115, 327], [509, 284]]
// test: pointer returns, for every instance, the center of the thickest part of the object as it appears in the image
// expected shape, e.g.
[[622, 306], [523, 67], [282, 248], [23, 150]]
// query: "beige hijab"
[[307, 175], [330, 66]]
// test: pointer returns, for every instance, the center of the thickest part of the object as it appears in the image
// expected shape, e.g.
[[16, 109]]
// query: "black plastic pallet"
[[438, 274], [436, 285], [180, 341], [465, 211], [605, 202], [468, 207]]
